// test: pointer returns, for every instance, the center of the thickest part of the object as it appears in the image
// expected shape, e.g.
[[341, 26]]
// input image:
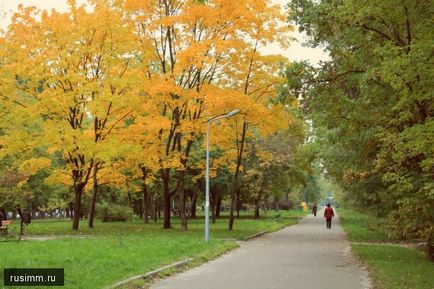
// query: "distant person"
[[314, 209], [304, 206], [329, 214]]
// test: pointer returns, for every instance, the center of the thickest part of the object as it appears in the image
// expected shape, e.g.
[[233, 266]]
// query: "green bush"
[[113, 213]]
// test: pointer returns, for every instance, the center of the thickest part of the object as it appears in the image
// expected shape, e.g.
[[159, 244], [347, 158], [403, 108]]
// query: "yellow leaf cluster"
[[32, 166]]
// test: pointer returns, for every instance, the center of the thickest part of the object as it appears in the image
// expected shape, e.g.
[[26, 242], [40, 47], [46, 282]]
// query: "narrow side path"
[[302, 256]]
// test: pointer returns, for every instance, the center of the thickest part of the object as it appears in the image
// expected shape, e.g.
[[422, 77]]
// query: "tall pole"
[[232, 113], [207, 185]]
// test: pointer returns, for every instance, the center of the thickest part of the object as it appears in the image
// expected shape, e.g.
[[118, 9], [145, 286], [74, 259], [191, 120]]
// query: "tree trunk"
[[181, 180], [214, 196], [235, 180], [153, 207], [166, 198], [257, 203], [138, 207], [276, 204], [71, 211], [145, 206], [131, 203], [218, 206], [3, 215], [145, 198], [181, 190], [159, 206], [94, 196], [193, 205], [33, 208], [231, 210], [238, 203], [430, 250], [258, 200], [287, 201], [77, 206]]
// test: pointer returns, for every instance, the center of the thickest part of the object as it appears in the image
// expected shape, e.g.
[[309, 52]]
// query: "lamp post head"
[[232, 113]]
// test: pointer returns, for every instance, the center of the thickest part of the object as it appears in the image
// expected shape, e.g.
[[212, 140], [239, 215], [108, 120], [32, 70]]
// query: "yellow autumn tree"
[[256, 79], [141, 161], [195, 45], [72, 71]]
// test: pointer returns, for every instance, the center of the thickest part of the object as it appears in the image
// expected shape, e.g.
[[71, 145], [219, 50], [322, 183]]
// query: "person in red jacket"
[[329, 214]]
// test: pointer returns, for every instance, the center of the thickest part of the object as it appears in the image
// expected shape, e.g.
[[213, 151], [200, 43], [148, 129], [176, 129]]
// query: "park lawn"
[[244, 227], [393, 267], [390, 266], [361, 227], [115, 251]]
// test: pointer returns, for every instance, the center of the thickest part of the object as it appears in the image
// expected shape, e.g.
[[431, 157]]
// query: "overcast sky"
[[295, 52]]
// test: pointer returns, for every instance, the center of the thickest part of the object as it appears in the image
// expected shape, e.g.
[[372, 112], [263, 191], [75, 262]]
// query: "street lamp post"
[[232, 113]]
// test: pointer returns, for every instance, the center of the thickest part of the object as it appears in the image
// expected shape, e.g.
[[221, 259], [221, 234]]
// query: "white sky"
[[295, 52]]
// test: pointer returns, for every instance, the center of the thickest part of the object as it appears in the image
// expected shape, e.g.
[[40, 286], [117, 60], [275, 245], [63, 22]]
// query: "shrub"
[[113, 213]]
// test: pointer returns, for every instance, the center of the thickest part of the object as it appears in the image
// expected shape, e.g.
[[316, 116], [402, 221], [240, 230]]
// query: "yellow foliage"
[[32, 166], [59, 176], [133, 80]]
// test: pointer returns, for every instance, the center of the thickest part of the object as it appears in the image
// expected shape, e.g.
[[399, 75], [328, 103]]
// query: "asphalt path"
[[302, 256]]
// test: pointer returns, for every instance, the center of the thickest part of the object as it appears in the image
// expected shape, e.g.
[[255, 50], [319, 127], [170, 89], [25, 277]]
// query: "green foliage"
[[113, 212], [276, 169], [372, 105], [362, 227]]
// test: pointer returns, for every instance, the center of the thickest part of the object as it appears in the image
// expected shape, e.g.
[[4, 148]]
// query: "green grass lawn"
[[361, 227], [390, 266], [114, 251], [396, 267]]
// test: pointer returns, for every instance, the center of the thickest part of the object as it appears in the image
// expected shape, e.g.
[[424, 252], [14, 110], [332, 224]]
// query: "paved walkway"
[[303, 256]]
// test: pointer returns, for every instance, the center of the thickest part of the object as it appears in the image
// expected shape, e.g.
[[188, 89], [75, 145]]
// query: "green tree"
[[372, 104]]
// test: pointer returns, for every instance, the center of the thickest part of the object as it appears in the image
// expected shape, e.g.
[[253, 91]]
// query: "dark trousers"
[[329, 223]]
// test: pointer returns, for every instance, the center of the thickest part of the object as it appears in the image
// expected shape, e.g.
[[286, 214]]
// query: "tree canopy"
[[116, 98], [372, 105]]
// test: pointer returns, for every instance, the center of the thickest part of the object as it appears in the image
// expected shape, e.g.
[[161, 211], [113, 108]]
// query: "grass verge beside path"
[[390, 266], [112, 252]]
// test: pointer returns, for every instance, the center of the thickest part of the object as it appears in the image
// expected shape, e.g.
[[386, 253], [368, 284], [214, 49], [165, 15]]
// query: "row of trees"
[[372, 105], [117, 94]]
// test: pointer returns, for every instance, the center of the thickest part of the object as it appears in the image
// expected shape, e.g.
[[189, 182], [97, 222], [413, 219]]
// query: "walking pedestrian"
[[304, 206], [329, 214], [314, 209]]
